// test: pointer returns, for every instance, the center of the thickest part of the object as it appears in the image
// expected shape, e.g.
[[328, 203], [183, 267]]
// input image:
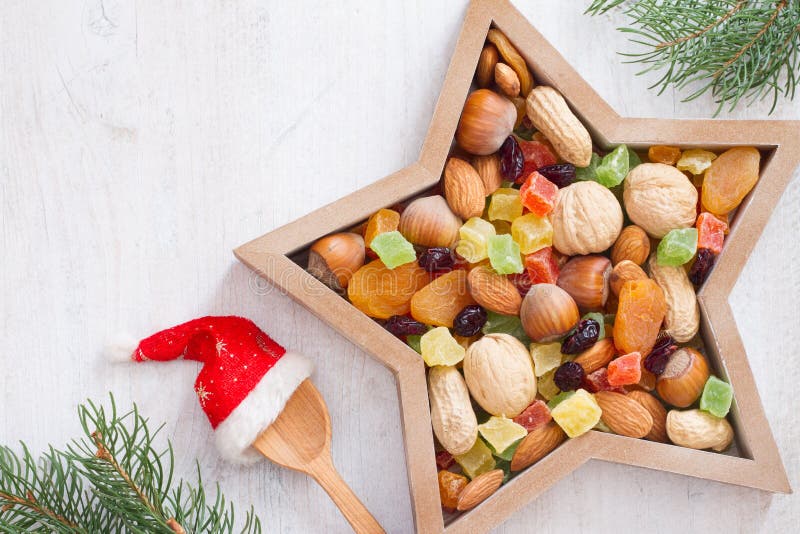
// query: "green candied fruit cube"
[[585, 174], [477, 460], [501, 433], [474, 239], [439, 347], [504, 254], [413, 341], [393, 249], [505, 205], [546, 357], [717, 397], [577, 414], [532, 233], [633, 159], [677, 247], [614, 167], [546, 385]]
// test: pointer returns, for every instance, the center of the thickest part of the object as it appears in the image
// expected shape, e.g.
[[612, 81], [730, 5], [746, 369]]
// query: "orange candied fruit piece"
[[450, 487], [669, 155], [542, 266], [381, 292], [538, 194], [383, 220], [640, 312], [439, 302], [710, 232], [625, 370]]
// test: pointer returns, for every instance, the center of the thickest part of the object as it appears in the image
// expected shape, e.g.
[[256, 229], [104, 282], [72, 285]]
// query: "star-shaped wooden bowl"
[[279, 256]]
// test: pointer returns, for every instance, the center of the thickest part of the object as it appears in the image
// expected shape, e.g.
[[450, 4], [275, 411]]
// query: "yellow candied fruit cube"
[[546, 385], [505, 205], [578, 414], [439, 347], [695, 160], [501, 433], [473, 238], [532, 233], [546, 357], [477, 460]]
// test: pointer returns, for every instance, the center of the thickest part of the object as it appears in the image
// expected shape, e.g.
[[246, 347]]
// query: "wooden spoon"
[[300, 439]]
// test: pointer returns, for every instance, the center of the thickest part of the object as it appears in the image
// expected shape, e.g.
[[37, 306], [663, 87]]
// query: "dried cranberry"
[[437, 259], [656, 361], [702, 266], [584, 336], [444, 460], [511, 159], [522, 282], [469, 321], [569, 376], [561, 174], [402, 325]]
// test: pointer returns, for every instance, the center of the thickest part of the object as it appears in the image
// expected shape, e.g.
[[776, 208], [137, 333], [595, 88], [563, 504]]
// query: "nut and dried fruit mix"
[[549, 286]]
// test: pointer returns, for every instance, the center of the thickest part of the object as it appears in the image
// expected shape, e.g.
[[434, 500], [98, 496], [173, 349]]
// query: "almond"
[[537, 445], [624, 416], [550, 114], [506, 79], [493, 291], [597, 356], [632, 244], [481, 487], [622, 272], [484, 74], [463, 189], [657, 412], [488, 168]]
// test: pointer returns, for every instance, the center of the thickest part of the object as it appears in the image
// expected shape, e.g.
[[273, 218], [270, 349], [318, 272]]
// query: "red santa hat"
[[245, 382]]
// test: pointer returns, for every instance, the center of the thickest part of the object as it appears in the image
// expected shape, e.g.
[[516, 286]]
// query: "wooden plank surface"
[[141, 141]]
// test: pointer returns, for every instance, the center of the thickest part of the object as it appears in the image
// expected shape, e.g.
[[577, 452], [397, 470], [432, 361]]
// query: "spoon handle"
[[351, 507]]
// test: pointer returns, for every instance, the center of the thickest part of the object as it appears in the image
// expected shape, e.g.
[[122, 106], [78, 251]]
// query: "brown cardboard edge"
[[767, 471]]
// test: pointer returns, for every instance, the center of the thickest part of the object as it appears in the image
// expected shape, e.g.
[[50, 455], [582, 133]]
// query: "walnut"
[[587, 219], [660, 198]]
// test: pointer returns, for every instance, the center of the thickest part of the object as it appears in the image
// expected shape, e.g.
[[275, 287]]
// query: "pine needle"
[[112, 480], [735, 49]]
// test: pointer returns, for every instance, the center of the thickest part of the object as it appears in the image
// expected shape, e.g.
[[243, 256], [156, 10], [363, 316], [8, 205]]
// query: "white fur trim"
[[121, 351], [260, 408]]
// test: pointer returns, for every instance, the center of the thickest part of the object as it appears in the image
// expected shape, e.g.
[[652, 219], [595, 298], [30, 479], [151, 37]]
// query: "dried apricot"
[[450, 487], [439, 302], [640, 312], [381, 221], [729, 178], [381, 292], [668, 155]]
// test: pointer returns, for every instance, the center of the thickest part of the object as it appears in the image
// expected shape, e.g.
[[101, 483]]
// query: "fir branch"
[[113, 480], [734, 49]]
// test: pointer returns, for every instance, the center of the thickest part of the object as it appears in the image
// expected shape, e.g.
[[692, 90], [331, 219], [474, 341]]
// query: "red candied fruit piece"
[[625, 370], [534, 416], [538, 194], [444, 460], [536, 155], [522, 282], [710, 232], [542, 266], [598, 381]]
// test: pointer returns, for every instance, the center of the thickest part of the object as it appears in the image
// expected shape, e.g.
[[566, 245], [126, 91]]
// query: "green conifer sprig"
[[113, 479], [736, 49]]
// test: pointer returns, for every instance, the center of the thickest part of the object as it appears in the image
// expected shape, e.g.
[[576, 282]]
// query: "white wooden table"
[[141, 141]]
